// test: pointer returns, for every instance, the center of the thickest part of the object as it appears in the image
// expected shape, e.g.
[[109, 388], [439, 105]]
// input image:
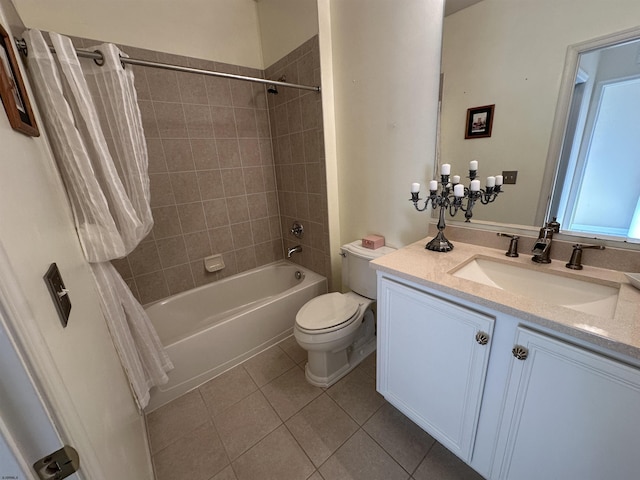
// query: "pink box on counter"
[[373, 241]]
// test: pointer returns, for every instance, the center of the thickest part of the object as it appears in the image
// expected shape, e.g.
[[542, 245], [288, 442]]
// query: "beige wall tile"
[[238, 209], [224, 125], [157, 162], [246, 123], [221, 239], [216, 213], [233, 182], [214, 188], [210, 184], [179, 278], [151, 287], [192, 88], [145, 259], [163, 85], [218, 91], [166, 222], [185, 186], [172, 251], [178, 155], [250, 152], [199, 122], [197, 245], [229, 153], [170, 120], [191, 217], [205, 153]]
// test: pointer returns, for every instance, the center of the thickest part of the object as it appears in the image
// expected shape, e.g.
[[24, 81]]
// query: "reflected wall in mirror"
[[512, 53]]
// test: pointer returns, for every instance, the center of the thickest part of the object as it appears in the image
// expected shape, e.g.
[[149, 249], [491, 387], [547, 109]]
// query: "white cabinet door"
[[569, 414], [430, 365]]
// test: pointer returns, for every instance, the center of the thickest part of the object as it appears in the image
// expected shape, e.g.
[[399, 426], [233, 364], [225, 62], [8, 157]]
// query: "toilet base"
[[350, 358]]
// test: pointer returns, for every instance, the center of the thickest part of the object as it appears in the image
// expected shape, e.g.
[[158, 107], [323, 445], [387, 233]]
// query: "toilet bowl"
[[338, 330]]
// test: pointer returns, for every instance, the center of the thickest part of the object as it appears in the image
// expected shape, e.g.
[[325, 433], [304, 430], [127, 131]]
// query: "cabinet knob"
[[520, 352], [482, 337]]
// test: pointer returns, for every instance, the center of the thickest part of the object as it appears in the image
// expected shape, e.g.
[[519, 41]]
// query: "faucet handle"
[[575, 263], [513, 244]]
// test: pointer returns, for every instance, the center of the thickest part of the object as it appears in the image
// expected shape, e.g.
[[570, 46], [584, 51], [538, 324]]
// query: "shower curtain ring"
[[99, 61]]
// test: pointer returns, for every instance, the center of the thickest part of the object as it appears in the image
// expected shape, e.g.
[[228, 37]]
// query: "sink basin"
[[549, 287]]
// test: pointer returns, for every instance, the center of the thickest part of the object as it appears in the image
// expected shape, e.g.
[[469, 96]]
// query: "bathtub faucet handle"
[[297, 230]]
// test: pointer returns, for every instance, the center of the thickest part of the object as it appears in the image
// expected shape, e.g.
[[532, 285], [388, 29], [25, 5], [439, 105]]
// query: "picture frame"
[[12, 90], [479, 122]]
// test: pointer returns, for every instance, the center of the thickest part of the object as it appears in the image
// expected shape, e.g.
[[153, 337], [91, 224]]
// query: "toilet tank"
[[356, 273]]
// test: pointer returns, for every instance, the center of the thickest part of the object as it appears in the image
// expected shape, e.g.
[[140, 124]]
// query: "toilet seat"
[[326, 313]]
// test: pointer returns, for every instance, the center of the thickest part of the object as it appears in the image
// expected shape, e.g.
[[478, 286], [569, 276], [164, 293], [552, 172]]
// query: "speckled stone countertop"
[[433, 269]]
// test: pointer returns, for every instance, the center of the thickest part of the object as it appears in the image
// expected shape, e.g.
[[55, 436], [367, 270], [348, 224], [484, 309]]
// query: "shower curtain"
[[95, 130]]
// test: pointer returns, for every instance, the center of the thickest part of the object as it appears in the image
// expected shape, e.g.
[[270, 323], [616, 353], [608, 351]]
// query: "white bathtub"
[[209, 329]]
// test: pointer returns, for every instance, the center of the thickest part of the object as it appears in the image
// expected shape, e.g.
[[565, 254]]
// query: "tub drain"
[[299, 275]]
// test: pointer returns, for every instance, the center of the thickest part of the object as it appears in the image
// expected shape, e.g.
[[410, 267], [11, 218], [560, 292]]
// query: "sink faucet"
[[542, 247], [575, 263], [513, 244], [292, 250]]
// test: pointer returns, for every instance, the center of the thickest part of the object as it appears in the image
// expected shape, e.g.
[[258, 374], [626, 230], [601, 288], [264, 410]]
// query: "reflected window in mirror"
[[598, 177]]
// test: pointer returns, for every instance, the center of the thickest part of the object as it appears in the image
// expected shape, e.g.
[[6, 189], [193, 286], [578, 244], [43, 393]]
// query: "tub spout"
[[292, 250]]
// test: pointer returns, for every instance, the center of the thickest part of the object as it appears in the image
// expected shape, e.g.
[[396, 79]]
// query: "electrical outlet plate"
[[509, 177], [59, 293]]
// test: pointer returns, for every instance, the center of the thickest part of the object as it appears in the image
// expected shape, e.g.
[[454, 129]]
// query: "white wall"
[[386, 64], [36, 229], [285, 25], [221, 30], [511, 53]]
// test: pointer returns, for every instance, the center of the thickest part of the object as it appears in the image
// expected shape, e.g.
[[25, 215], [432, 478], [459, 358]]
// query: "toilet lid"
[[326, 311]]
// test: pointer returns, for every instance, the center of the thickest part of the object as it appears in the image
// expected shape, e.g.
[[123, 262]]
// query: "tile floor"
[[262, 420]]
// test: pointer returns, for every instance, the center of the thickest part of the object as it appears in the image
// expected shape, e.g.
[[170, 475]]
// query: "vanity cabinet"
[[432, 361], [543, 405], [569, 413]]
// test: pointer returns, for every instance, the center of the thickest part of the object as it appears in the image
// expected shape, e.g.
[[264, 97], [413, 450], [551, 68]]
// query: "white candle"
[[499, 180], [433, 185], [473, 165], [415, 187], [445, 169], [458, 190], [455, 179], [474, 186], [491, 181]]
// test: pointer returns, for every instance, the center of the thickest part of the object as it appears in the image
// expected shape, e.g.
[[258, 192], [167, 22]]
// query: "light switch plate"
[[59, 293], [509, 177]]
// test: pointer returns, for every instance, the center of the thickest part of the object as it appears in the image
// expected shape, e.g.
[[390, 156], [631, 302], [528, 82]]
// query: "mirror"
[[513, 53], [601, 141]]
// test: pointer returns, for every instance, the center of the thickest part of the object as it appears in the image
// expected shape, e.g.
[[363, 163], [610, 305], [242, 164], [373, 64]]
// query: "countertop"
[[432, 269]]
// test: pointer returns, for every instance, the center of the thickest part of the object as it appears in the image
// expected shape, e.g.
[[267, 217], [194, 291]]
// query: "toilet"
[[338, 330]]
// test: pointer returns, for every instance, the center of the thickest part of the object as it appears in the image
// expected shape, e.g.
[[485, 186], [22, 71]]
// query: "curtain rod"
[[97, 57]]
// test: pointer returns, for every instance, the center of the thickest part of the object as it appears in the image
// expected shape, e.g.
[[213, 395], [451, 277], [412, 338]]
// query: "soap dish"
[[634, 278]]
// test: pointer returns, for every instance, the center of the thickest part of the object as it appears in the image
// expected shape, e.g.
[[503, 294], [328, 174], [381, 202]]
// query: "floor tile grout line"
[[315, 469], [391, 454], [175, 440]]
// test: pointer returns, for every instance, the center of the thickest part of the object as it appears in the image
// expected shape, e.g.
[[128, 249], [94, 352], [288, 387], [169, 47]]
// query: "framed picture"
[[12, 91], [479, 122]]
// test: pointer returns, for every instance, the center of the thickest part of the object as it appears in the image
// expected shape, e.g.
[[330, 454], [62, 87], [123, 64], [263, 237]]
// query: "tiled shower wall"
[[298, 145], [213, 171], [213, 188]]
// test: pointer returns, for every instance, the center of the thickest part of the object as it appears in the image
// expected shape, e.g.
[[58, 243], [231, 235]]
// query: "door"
[[27, 431], [433, 357], [569, 414]]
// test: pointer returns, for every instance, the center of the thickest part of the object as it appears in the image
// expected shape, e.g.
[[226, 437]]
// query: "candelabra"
[[454, 196]]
